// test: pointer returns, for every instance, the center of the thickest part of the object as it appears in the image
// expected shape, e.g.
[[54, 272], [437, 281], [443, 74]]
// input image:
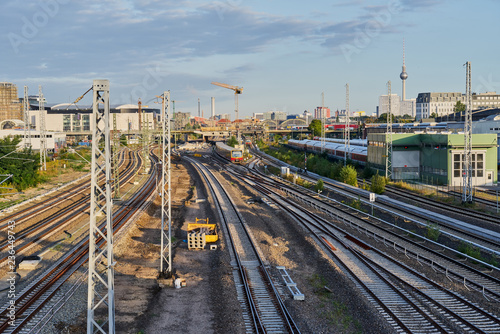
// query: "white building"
[[485, 100], [258, 115], [54, 140], [490, 124], [440, 104], [275, 115], [68, 118], [383, 104]]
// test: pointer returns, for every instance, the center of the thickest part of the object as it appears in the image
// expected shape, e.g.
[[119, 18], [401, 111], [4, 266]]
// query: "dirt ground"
[[142, 305], [208, 303]]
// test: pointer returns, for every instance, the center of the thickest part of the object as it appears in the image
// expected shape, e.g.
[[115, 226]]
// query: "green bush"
[[349, 175], [378, 184], [433, 232], [319, 185]]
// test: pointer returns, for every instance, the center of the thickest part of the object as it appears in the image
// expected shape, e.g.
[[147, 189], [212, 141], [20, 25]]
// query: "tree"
[[319, 185], [123, 140], [459, 107], [23, 165], [349, 175], [383, 118], [378, 184], [315, 127], [232, 141]]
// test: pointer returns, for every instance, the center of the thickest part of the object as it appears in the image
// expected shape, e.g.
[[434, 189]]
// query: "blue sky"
[[284, 53]]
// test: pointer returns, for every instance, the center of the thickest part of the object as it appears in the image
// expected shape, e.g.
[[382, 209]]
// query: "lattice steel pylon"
[[347, 133], [101, 262], [116, 169], [145, 141], [388, 136], [166, 203], [43, 135], [467, 167], [323, 123], [26, 117]]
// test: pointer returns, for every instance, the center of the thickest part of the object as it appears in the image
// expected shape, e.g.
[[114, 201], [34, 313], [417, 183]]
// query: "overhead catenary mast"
[[116, 147], [467, 164], [26, 116], [166, 205], [43, 135], [347, 134], [101, 291], [323, 122], [388, 136]]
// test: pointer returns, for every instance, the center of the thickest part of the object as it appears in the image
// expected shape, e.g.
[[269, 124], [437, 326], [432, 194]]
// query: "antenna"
[[403, 74]]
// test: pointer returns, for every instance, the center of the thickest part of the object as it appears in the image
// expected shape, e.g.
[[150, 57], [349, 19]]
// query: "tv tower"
[[403, 74]]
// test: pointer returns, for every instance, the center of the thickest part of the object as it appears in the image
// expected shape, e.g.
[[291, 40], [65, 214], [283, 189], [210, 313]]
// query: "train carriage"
[[235, 155], [358, 150]]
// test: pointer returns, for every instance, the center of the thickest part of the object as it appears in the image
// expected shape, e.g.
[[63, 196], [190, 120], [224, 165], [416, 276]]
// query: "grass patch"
[[470, 250], [337, 313], [433, 231]]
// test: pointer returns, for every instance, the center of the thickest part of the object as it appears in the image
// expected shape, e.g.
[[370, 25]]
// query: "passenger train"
[[230, 153], [336, 150], [353, 142]]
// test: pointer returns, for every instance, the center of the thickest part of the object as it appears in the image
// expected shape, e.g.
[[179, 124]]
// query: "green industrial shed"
[[426, 156]]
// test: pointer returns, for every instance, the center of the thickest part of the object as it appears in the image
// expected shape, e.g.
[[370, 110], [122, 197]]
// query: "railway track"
[[409, 301], [36, 295], [31, 235], [482, 238], [263, 309], [66, 195], [444, 260], [464, 212]]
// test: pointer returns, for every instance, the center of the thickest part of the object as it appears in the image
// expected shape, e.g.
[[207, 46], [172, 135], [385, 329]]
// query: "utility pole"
[[467, 172], [101, 292], [43, 135], [388, 136], [145, 138], [116, 147], [26, 115], [347, 134], [166, 203], [323, 122]]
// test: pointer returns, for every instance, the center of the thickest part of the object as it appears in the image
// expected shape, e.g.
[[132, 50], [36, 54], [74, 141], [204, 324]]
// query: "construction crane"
[[237, 91]]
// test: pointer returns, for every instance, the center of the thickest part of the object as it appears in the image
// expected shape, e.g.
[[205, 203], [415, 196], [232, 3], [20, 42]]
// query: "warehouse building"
[[440, 157]]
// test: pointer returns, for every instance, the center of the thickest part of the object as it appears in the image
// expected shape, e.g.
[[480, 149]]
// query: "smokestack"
[[213, 107], [198, 107]]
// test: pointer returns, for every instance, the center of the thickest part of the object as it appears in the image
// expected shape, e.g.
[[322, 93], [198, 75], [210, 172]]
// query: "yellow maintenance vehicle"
[[200, 233]]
